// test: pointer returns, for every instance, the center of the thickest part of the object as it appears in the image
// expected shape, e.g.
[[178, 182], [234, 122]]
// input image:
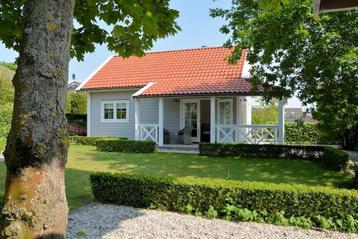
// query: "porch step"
[[177, 148]]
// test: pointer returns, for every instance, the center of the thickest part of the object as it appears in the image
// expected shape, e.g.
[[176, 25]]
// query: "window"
[[225, 111], [114, 111]]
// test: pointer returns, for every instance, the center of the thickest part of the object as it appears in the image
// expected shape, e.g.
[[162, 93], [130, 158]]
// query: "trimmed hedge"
[[262, 201], [88, 140], [331, 157], [130, 146], [302, 133], [74, 117]]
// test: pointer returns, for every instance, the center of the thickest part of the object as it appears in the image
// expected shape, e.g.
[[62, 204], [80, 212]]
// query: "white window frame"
[[114, 103], [223, 100]]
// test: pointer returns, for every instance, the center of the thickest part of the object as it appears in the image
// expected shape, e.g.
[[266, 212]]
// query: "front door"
[[190, 117]]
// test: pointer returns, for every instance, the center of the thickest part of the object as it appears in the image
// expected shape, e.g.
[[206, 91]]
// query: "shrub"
[[355, 179], [75, 129], [132, 146], [332, 158], [88, 140], [279, 203], [302, 133]]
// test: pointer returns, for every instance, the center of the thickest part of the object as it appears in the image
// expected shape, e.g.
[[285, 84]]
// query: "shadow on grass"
[[195, 166]]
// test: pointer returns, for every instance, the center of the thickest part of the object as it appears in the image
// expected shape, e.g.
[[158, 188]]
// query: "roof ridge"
[[183, 50]]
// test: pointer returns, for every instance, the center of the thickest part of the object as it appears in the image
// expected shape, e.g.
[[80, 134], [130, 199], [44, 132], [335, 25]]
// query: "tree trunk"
[[36, 152]]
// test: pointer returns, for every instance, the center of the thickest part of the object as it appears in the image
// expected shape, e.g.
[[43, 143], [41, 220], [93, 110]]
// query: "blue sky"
[[198, 29]]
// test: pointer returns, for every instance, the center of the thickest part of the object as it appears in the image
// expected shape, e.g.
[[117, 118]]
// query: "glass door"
[[191, 117]]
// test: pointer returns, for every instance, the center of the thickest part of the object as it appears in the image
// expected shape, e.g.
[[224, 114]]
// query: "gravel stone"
[[112, 222]]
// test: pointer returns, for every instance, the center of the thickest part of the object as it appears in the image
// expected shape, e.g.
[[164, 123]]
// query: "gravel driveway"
[[112, 222]]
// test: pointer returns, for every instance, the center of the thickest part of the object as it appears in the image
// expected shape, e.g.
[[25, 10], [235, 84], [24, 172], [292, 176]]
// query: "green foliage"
[[355, 179], [333, 158], [6, 89], [131, 146], [315, 58], [88, 140], [302, 133], [76, 103], [265, 114], [10, 66], [136, 25], [5, 124], [81, 234], [247, 201]]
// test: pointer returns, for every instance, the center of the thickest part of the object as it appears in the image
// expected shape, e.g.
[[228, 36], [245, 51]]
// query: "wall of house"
[[149, 113], [111, 129]]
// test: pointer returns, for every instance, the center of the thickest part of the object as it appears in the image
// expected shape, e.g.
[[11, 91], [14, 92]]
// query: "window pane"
[[225, 113], [108, 111], [121, 111]]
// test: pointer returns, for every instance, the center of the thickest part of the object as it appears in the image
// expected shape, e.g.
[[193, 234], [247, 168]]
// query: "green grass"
[[84, 160]]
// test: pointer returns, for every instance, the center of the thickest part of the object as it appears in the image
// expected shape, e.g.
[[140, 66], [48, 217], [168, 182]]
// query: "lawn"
[[84, 160]]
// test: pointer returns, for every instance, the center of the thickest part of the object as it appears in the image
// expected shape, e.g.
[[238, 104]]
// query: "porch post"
[[281, 121], [161, 122], [212, 119], [136, 118]]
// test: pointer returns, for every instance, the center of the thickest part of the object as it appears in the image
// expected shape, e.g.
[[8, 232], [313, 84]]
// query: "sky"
[[198, 29]]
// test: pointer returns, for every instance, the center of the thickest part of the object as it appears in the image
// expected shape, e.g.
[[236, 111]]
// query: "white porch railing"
[[149, 132], [248, 134]]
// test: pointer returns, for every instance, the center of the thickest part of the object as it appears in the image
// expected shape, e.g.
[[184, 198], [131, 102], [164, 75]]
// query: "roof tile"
[[193, 71]]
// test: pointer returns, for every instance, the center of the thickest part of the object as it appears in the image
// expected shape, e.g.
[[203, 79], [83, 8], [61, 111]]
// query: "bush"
[[76, 130], [88, 140], [355, 179], [332, 158], [302, 133], [132, 146], [248, 201]]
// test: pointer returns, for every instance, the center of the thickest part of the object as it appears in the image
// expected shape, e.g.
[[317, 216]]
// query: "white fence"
[[247, 134], [149, 132]]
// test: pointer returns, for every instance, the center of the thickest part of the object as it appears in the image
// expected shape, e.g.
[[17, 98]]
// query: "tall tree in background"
[[36, 151], [317, 58]]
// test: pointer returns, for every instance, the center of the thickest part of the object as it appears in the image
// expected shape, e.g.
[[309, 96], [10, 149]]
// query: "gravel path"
[[112, 222]]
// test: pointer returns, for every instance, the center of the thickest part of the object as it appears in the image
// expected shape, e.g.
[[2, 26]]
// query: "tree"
[[317, 58], [265, 113], [43, 33], [76, 103]]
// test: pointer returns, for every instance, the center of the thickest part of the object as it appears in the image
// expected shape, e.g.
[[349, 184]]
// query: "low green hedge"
[[245, 201], [332, 158], [131, 146], [88, 140]]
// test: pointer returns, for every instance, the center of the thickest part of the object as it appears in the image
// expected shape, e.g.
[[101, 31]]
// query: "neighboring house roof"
[[294, 114], [178, 72], [73, 85]]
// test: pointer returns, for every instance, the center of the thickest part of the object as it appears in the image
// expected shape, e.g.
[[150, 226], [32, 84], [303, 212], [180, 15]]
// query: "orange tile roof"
[[178, 72]]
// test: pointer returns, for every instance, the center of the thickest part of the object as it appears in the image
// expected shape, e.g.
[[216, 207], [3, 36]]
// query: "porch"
[[214, 119]]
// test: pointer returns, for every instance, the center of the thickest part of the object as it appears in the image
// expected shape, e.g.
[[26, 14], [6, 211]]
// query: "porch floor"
[[179, 148]]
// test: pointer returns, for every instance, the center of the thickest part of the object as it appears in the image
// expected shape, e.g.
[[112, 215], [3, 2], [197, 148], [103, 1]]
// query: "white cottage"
[[176, 97]]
